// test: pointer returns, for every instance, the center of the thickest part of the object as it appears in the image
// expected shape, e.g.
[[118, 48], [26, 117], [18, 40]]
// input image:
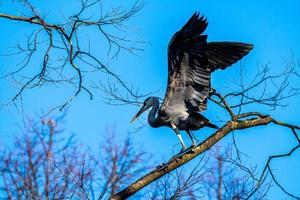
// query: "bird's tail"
[[212, 125]]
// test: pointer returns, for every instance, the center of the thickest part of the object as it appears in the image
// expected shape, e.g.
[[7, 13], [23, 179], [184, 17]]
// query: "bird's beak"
[[143, 109]]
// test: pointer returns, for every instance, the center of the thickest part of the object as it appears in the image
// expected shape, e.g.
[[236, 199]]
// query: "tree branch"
[[175, 163], [69, 50]]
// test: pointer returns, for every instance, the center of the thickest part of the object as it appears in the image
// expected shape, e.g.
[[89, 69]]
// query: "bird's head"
[[146, 105]]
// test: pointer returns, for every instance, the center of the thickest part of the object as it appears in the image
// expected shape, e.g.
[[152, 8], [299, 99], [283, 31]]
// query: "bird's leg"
[[164, 165], [192, 137], [179, 136]]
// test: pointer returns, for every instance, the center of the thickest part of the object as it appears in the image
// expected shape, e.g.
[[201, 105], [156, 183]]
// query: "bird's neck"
[[152, 119]]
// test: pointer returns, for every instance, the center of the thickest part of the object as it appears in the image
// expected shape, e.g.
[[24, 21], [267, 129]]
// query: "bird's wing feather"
[[188, 74], [223, 54], [190, 63]]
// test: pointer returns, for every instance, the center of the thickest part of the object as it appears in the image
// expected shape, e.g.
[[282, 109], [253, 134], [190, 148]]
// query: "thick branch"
[[175, 163]]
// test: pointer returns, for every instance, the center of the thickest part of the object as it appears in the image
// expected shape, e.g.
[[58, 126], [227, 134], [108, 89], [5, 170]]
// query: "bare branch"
[[62, 39], [175, 163]]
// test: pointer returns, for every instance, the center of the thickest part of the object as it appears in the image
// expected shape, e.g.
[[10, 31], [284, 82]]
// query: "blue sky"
[[272, 26]]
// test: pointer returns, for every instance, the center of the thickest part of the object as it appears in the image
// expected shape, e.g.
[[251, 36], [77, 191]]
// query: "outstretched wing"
[[191, 60], [223, 54]]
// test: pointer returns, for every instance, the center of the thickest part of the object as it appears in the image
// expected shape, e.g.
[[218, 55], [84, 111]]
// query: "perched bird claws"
[[161, 166], [192, 148]]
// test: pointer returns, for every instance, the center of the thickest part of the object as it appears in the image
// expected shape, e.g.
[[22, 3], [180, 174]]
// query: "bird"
[[191, 62]]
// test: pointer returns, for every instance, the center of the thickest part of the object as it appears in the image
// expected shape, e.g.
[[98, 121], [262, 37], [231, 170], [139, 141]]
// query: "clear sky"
[[272, 26]]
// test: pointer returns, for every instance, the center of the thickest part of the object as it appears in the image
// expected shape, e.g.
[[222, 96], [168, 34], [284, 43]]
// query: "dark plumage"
[[196, 121], [191, 60]]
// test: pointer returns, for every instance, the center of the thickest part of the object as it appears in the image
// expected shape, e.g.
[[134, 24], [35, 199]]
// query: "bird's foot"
[[192, 147], [176, 157], [184, 151], [161, 166], [165, 165]]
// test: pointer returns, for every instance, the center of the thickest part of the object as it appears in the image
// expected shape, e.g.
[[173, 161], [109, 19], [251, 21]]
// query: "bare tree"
[[43, 164], [67, 58], [213, 176], [231, 179]]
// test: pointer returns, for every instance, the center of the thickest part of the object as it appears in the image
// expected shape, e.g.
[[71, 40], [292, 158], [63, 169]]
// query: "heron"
[[191, 61]]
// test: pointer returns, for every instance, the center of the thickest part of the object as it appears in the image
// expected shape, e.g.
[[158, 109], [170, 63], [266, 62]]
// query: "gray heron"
[[191, 61]]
